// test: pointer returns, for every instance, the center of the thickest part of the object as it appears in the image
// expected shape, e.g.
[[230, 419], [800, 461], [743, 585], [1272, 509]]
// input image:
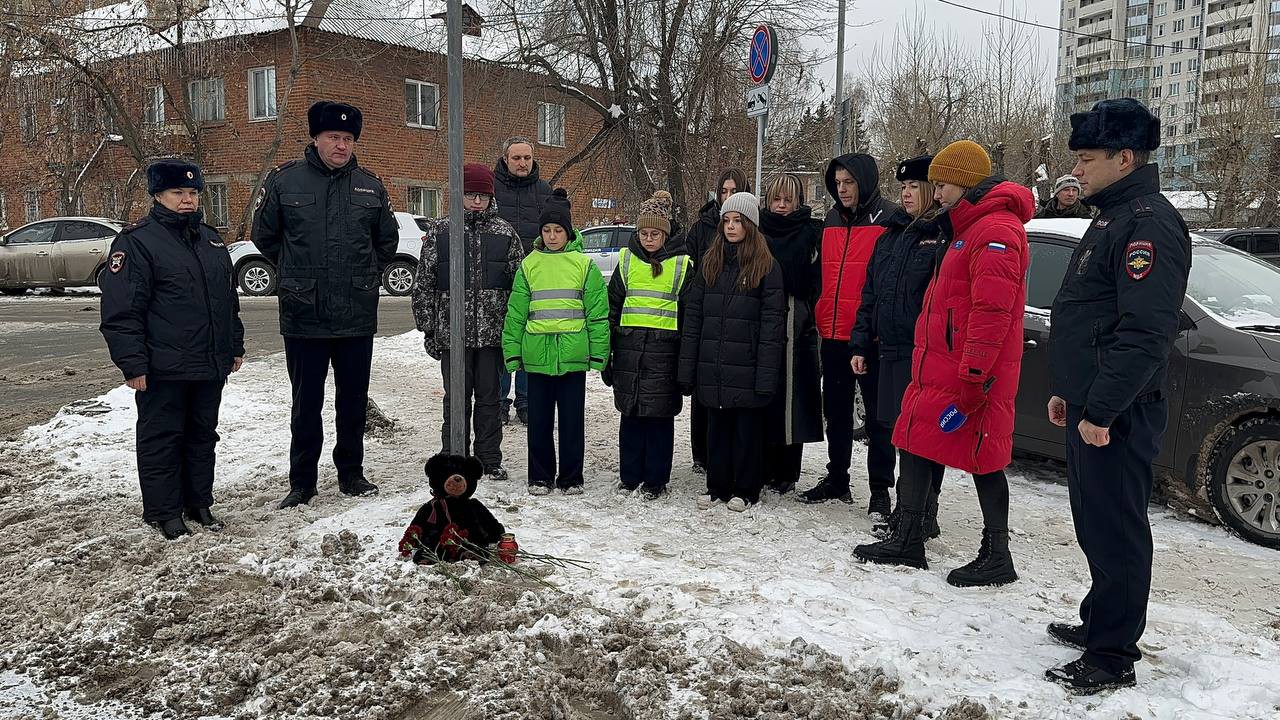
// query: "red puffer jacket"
[[971, 332]]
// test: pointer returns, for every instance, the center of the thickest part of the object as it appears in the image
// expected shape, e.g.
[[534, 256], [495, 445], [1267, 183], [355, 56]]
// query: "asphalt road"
[[51, 352]]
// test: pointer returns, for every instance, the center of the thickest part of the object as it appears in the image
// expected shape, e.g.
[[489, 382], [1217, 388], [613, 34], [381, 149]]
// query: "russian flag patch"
[[998, 247]]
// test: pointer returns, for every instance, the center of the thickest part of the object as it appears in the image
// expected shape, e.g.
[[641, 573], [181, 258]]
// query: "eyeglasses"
[[475, 197]]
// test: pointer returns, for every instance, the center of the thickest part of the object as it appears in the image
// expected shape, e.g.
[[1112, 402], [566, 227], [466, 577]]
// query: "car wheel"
[[859, 414], [398, 278], [1244, 480], [257, 278], [13, 291]]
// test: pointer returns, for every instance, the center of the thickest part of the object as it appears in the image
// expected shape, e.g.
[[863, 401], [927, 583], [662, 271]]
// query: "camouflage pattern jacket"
[[494, 253]]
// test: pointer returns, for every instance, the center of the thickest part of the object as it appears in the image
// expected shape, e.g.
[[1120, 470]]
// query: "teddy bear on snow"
[[452, 519]]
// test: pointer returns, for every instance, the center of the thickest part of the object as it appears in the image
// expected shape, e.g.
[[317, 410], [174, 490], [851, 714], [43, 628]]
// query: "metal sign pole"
[[759, 152], [458, 429], [838, 110]]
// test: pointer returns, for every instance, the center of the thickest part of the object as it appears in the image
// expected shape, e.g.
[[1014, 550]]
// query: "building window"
[[110, 202], [1191, 87], [1193, 65], [1177, 47], [1173, 89], [153, 113], [1157, 51], [1195, 43], [4, 214], [551, 124], [262, 93], [219, 213], [1188, 128], [1162, 9], [421, 104], [208, 100], [1171, 130], [424, 201], [1157, 72], [1155, 92], [1156, 112], [32, 205], [1175, 68], [1179, 5], [70, 203], [1160, 30], [27, 119], [1195, 21], [1179, 25]]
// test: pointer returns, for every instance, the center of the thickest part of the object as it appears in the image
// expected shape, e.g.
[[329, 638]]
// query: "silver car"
[[59, 252]]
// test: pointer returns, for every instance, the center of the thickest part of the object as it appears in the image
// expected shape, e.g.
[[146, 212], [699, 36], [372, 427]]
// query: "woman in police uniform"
[[171, 319]]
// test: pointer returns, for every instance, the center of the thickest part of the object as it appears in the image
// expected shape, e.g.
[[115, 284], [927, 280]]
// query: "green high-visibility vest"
[[652, 302], [555, 282]]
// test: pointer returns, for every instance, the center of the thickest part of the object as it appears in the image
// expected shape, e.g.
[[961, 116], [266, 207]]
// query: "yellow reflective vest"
[[652, 302]]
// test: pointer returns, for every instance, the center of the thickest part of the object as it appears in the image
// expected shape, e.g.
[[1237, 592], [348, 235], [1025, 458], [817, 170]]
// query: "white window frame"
[[420, 196], [153, 106], [28, 117], [546, 115], [199, 91], [257, 114], [217, 202], [110, 200], [31, 205], [418, 86]]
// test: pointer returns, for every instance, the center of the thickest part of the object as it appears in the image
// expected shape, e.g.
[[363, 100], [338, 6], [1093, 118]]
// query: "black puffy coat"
[[644, 361], [169, 304], [520, 201], [703, 231], [901, 266], [330, 234], [794, 241], [733, 338]]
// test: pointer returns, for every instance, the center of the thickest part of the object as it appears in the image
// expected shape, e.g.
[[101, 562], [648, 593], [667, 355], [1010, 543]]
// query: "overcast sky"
[[885, 15]]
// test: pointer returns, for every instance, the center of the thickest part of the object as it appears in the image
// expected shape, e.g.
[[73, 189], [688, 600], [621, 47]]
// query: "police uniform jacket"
[[330, 234], [1116, 315], [169, 304]]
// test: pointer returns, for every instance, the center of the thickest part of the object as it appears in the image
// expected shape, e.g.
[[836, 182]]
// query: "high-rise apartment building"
[[1191, 61]]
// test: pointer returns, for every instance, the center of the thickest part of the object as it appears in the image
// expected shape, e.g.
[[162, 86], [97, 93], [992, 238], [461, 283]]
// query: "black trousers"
[[782, 463], [481, 388], [698, 430], [1110, 488], [838, 406], [308, 360], [735, 452], [920, 476], [176, 433], [645, 447], [555, 398]]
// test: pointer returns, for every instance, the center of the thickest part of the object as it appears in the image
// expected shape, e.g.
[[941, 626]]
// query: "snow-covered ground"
[[683, 614]]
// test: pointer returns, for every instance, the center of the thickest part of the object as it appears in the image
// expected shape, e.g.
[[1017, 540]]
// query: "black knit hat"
[[1118, 124], [916, 168], [556, 210], [324, 116], [169, 174]]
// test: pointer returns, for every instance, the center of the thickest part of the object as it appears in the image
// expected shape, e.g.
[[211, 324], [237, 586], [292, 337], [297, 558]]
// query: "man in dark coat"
[[520, 194], [326, 224], [1065, 202], [697, 240], [848, 239], [1114, 323], [171, 319]]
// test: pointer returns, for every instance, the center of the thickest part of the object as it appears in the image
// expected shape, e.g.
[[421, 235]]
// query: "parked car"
[[59, 252], [602, 244], [1262, 242], [257, 276], [1221, 452]]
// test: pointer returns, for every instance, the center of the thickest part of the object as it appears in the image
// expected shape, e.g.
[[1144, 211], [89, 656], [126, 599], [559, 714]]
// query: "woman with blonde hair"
[[795, 416], [897, 277]]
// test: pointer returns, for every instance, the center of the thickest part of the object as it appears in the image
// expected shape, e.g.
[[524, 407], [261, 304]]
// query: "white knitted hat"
[[743, 203]]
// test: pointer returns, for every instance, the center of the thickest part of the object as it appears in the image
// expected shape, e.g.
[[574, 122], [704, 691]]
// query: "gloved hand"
[[972, 398], [606, 375]]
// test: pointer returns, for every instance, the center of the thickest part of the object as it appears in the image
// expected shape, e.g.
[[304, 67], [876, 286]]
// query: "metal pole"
[[759, 151], [458, 429], [838, 110]]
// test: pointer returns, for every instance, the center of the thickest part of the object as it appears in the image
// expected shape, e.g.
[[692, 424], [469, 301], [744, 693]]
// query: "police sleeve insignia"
[[116, 263], [262, 195], [1139, 258]]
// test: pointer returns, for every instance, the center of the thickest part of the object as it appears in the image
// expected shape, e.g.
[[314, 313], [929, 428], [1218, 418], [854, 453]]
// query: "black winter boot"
[[296, 497], [356, 485], [172, 529], [886, 528], [905, 546], [205, 518], [827, 489], [1068, 634], [993, 566], [880, 503], [931, 529]]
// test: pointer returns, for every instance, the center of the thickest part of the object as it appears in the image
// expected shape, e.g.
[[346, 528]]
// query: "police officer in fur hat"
[[171, 319], [325, 222], [1114, 322]]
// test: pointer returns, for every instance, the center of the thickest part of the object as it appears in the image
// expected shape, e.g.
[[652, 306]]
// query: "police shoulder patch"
[[116, 263], [1101, 223], [1139, 258]]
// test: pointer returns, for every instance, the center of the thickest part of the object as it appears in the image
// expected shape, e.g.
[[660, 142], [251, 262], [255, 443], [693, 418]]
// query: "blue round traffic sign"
[[764, 54]]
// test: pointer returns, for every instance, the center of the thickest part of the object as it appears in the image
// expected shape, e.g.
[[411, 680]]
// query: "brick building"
[[65, 153]]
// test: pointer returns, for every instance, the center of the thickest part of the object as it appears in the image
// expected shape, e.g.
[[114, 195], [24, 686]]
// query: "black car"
[[1221, 452], [1262, 242]]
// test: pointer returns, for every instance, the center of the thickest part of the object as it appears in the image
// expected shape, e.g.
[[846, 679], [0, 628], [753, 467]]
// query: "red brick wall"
[[499, 103]]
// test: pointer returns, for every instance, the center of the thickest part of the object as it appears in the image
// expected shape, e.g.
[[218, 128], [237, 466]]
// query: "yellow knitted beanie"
[[962, 163]]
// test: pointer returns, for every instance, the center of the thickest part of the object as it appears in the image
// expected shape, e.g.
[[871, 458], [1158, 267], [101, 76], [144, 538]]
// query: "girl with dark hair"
[[732, 343]]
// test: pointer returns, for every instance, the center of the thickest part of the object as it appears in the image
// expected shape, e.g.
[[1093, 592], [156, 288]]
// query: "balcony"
[[1223, 62], [1094, 9], [1231, 14], [1228, 39]]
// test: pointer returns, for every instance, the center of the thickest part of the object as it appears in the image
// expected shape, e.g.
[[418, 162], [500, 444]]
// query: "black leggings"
[[918, 477]]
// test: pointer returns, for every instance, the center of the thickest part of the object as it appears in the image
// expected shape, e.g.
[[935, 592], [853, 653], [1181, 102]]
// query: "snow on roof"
[[1198, 199], [125, 29]]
